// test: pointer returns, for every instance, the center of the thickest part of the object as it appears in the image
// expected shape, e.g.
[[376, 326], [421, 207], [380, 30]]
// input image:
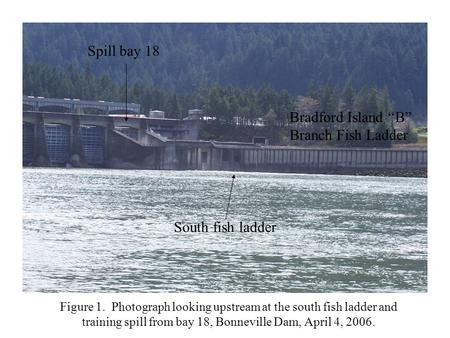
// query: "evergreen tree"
[[348, 98]]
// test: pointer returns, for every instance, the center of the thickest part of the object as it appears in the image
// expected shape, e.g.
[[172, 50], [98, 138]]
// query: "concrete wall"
[[125, 153], [290, 159]]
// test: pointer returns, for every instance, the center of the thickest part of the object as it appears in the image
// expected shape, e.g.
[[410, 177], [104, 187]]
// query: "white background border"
[[34, 314]]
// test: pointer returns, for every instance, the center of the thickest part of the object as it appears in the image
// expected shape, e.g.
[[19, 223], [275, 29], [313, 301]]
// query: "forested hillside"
[[280, 60]]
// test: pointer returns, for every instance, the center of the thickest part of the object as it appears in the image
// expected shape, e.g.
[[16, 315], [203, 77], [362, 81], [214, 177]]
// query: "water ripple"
[[89, 230]]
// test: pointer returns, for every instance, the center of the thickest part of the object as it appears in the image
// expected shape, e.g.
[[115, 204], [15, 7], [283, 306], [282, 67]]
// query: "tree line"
[[288, 57], [222, 102]]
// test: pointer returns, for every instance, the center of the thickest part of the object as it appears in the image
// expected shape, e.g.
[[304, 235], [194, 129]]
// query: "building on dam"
[[80, 133]]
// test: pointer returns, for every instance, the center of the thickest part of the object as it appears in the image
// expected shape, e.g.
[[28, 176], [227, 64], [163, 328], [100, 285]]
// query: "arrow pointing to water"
[[229, 197]]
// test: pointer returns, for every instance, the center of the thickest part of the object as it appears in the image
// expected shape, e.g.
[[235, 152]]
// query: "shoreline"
[[379, 172]]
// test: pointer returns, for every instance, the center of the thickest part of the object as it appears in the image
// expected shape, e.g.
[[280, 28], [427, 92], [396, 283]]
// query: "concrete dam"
[[73, 135]]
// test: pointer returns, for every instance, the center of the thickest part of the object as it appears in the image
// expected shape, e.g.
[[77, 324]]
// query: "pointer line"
[[229, 197], [126, 92]]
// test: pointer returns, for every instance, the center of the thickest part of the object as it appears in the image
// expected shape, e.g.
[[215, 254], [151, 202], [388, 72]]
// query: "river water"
[[101, 230]]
